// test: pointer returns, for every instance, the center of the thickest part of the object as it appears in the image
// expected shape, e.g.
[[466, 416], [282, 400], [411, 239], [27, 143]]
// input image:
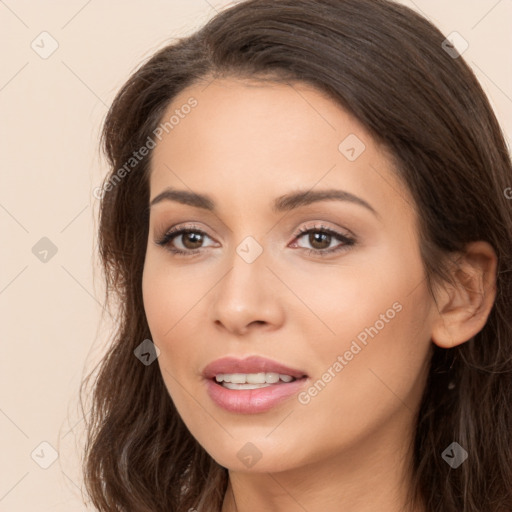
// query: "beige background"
[[51, 110]]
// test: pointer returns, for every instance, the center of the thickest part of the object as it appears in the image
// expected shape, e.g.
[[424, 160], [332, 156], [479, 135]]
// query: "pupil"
[[193, 240], [315, 238]]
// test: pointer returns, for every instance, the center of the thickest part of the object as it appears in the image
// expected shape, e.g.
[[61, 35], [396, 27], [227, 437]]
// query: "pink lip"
[[252, 364], [250, 401]]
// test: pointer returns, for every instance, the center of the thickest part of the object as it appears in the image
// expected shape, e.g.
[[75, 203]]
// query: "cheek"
[[361, 295], [368, 332], [174, 300], [170, 294], [371, 374], [166, 302]]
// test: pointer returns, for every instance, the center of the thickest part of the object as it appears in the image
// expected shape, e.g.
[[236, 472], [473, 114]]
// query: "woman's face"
[[306, 253]]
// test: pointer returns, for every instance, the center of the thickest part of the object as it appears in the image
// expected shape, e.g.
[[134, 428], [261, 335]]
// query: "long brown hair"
[[386, 65]]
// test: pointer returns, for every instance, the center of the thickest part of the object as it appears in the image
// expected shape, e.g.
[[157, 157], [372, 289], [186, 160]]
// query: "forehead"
[[249, 112], [268, 138]]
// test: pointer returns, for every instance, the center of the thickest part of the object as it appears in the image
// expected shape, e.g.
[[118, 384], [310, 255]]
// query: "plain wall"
[[51, 110]]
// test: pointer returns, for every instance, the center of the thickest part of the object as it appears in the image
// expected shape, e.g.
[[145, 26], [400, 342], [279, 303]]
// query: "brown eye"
[[192, 240], [185, 241], [319, 240]]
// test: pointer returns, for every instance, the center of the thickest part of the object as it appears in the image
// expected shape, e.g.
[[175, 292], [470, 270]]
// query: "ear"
[[463, 308]]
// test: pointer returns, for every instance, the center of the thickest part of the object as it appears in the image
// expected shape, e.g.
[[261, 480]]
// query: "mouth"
[[253, 370], [252, 380], [251, 385]]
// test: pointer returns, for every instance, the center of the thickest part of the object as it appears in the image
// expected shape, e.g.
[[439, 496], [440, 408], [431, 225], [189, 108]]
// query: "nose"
[[248, 297]]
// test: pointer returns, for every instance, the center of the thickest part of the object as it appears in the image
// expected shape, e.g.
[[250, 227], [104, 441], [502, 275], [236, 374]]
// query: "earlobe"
[[463, 307]]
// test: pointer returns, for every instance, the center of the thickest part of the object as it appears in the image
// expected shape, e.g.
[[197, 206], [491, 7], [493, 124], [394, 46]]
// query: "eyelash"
[[165, 240]]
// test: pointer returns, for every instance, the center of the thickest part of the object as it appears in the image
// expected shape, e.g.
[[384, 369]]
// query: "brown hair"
[[385, 64]]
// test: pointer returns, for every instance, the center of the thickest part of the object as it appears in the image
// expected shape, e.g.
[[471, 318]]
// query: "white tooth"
[[238, 378], [230, 385], [271, 377], [255, 378]]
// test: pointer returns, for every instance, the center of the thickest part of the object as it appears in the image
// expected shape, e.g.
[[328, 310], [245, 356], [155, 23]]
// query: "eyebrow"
[[283, 203]]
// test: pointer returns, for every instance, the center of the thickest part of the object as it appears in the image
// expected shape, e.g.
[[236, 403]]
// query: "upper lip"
[[252, 364]]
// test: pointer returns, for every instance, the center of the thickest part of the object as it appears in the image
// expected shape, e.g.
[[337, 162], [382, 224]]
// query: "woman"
[[307, 226]]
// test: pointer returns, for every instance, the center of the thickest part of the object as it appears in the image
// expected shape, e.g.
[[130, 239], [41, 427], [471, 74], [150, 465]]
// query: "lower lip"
[[251, 401]]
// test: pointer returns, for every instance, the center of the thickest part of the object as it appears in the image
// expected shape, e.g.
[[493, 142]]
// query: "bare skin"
[[345, 447]]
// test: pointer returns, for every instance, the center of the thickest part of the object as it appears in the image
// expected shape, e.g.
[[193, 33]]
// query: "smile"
[[251, 385]]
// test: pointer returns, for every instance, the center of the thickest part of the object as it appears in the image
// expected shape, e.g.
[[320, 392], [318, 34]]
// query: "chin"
[[253, 456]]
